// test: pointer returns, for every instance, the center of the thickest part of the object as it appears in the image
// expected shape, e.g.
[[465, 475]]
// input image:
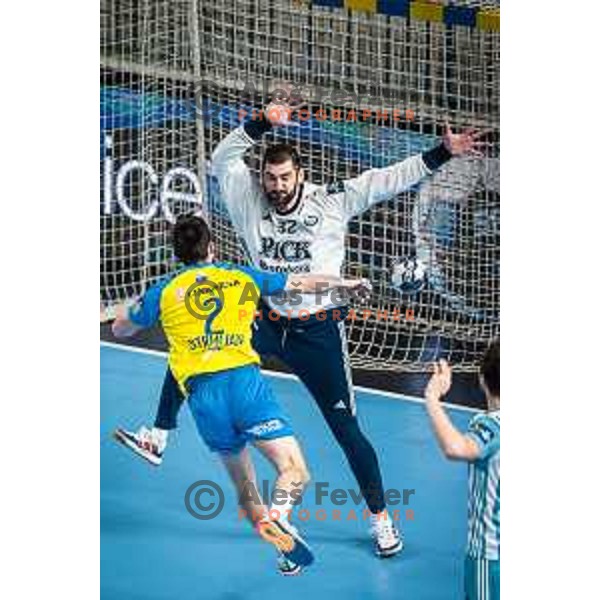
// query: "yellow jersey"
[[206, 311]]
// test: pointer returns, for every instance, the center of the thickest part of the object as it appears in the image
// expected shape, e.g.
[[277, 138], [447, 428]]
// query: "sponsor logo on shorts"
[[266, 427]]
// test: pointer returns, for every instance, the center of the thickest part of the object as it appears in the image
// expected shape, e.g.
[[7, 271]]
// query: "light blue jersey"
[[484, 488]]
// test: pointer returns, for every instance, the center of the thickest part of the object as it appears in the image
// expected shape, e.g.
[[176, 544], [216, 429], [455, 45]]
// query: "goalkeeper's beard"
[[282, 201]]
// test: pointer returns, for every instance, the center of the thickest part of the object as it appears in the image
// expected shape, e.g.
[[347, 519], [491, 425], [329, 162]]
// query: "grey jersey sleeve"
[[237, 186], [377, 185]]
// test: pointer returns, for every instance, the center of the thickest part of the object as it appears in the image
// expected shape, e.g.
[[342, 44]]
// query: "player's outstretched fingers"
[[476, 153], [482, 133]]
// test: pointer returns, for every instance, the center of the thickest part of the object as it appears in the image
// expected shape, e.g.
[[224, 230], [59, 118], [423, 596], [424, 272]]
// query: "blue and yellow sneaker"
[[286, 567], [286, 539]]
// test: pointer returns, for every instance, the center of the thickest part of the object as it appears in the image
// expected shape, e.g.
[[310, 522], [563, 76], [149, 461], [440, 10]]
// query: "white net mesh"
[[174, 75]]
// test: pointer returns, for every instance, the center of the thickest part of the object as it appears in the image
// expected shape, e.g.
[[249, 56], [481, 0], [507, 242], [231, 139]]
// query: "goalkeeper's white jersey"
[[310, 238]]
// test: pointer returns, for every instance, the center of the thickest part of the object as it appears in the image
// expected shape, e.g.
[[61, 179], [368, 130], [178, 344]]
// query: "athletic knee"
[[304, 474], [301, 474], [295, 471]]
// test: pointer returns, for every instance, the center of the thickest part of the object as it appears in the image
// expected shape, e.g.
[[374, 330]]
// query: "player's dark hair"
[[191, 237], [490, 368], [280, 153]]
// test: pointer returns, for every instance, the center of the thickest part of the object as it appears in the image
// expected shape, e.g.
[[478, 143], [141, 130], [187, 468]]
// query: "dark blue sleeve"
[[257, 128], [436, 157], [147, 310], [268, 283]]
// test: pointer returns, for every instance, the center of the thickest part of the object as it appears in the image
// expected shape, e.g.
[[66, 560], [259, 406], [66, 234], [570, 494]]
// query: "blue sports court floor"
[[153, 549]]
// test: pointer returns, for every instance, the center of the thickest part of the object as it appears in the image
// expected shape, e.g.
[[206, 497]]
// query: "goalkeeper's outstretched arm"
[[379, 185]]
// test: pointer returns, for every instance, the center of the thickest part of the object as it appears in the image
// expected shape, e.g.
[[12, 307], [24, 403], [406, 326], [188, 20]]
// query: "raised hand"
[[279, 112], [463, 144], [440, 382]]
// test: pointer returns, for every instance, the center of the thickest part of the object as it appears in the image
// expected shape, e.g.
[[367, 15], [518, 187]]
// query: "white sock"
[[380, 516], [160, 436], [282, 508]]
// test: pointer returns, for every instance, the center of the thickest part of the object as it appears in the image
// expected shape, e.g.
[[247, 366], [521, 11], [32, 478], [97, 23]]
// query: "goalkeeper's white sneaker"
[[386, 536], [145, 443]]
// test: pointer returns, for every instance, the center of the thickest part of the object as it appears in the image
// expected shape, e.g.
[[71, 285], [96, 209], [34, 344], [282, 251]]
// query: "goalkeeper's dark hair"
[[490, 368], [191, 237], [280, 153]]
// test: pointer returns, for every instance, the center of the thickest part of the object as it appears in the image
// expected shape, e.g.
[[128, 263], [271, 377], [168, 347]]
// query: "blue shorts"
[[482, 579], [235, 406]]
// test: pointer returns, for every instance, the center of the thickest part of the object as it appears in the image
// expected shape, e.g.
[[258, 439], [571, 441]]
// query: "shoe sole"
[[121, 436], [291, 572], [291, 545], [274, 534], [389, 552]]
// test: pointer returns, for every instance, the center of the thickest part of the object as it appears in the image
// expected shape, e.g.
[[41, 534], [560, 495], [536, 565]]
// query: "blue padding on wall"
[[333, 3], [398, 8], [460, 15]]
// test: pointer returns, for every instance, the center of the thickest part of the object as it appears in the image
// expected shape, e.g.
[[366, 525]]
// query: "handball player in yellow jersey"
[[206, 310]]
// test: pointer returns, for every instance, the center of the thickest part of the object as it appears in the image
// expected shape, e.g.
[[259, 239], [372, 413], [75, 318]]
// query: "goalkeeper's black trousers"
[[316, 351]]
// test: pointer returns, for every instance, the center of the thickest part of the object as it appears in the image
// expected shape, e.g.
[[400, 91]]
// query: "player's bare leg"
[[287, 458], [292, 476], [243, 474]]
